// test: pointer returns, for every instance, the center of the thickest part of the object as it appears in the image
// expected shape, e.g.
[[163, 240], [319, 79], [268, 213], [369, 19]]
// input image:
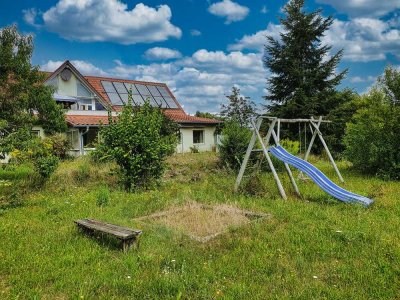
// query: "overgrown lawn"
[[311, 248]]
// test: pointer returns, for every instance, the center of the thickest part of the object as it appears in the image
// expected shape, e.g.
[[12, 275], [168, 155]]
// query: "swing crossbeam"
[[294, 120], [264, 142]]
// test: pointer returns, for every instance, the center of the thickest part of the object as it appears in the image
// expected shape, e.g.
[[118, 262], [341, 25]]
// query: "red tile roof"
[[82, 120], [178, 116]]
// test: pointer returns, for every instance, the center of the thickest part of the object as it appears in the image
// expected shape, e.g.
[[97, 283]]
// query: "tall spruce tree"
[[303, 80]]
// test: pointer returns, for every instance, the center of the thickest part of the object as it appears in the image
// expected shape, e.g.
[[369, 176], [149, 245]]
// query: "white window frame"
[[202, 136]]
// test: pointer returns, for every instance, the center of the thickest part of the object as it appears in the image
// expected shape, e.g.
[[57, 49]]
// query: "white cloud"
[[108, 20], [30, 16], [359, 79], [363, 39], [195, 32], [257, 40], [363, 8], [83, 67], [230, 10], [159, 53]]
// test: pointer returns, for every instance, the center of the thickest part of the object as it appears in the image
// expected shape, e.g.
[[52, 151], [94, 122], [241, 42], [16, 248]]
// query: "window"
[[90, 138], [86, 107], [82, 91], [85, 104], [35, 133], [198, 136]]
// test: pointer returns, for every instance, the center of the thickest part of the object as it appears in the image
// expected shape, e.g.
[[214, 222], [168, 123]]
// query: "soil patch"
[[203, 222]]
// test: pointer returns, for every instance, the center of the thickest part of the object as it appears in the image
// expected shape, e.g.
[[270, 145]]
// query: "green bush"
[[234, 142], [139, 142], [59, 144], [373, 136], [46, 165], [292, 147]]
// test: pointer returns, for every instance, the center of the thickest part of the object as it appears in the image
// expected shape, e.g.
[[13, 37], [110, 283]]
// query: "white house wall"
[[187, 139]]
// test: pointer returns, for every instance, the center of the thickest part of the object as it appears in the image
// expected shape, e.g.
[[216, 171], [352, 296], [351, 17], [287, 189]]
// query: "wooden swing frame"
[[314, 125]]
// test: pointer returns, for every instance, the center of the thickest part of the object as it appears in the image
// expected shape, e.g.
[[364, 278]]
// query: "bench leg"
[[128, 244]]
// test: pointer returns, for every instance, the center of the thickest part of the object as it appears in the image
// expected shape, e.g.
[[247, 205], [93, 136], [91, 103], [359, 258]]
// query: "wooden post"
[[290, 174], [312, 139], [265, 150], [248, 153], [327, 151], [278, 131]]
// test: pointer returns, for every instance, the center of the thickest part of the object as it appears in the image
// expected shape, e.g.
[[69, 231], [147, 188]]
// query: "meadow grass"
[[311, 248]]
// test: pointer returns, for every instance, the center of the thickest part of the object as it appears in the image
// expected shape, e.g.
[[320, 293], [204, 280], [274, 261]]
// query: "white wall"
[[187, 139]]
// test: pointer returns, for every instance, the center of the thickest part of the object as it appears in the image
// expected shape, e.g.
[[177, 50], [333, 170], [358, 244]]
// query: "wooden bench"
[[128, 236]]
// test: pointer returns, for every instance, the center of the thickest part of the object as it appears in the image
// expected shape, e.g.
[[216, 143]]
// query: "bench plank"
[[120, 232]]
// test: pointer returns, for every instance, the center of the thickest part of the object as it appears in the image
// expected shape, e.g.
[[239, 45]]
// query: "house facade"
[[87, 100]]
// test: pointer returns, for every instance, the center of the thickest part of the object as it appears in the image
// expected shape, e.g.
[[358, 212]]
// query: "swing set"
[[288, 159]]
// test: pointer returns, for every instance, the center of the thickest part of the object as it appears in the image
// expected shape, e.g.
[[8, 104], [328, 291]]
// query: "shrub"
[[60, 145], [139, 142], [292, 147], [234, 143], [372, 137], [46, 165], [40, 153]]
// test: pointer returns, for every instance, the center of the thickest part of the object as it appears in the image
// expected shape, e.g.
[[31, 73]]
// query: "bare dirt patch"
[[203, 222]]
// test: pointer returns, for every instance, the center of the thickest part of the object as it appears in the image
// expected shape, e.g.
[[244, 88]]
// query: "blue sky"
[[199, 48]]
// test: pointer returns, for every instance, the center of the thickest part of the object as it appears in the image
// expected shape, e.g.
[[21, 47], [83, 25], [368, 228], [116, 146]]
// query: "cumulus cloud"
[[159, 53], [363, 8], [257, 40], [363, 39], [230, 10], [107, 20], [83, 67], [29, 16]]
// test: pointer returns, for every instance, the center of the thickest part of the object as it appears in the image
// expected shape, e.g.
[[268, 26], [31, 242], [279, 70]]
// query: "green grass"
[[311, 248]]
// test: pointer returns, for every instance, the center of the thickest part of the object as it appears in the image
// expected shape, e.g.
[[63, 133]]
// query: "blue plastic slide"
[[318, 177]]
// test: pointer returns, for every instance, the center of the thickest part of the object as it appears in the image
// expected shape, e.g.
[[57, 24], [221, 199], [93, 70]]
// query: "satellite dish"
[[66, 74]]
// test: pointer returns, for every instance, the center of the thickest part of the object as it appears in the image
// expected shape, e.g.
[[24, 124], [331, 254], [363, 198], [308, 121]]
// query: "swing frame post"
[[289, 172], [327, 149], [312, 139], [248, 153], [271, 165]]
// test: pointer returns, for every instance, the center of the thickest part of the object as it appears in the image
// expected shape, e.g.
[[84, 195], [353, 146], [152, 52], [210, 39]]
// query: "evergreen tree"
[[304, 75], [239, 108], [24, 99]]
